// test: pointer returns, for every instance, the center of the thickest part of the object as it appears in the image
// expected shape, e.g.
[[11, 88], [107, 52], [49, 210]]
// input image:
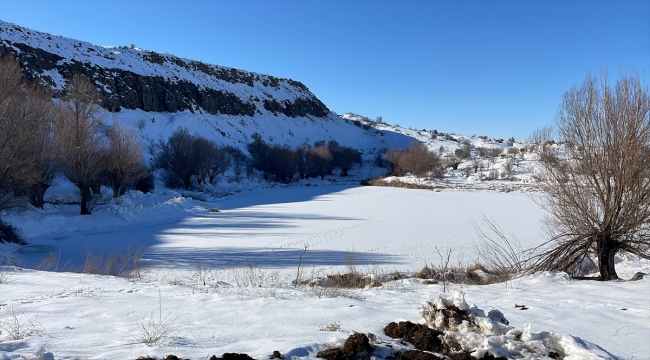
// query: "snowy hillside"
[[158, 93]]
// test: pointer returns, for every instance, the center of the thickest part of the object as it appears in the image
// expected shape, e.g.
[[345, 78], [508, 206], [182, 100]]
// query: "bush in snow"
[[343, 157], [319, 161], [123, 159], [185, 157], [275, 162], [417, 160]]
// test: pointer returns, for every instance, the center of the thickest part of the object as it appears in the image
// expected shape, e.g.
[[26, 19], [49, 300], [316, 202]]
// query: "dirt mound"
[[416, 355], [232, 356], [422, 337], [357, 346]]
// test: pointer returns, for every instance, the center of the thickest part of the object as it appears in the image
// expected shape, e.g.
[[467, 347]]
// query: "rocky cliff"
[[157, 93], [137, 79]]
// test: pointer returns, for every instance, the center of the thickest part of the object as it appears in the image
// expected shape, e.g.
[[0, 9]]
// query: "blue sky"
[[495, 68]]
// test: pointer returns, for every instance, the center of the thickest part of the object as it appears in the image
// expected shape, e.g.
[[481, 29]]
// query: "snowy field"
[[198, 276]]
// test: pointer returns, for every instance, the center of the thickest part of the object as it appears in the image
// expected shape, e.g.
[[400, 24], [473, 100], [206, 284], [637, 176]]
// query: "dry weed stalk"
[[154, 331], [19, 326], [501, 255]]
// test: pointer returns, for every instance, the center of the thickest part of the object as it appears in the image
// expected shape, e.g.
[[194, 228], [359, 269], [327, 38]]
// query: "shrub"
[[417, 160], [216, 160], [513, 151], [508, 168], [238, 161], [275, 162], [185, 156], [123, 159], [482, 152], [319, 160], [344, 158], [177, 157], [494, 152]]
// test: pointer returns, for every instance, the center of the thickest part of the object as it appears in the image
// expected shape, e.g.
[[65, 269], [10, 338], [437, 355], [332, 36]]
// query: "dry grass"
[[154, 331], [469, 274], [18, 326], [4, 275], [126, 264], [502, 255], [400, 184]]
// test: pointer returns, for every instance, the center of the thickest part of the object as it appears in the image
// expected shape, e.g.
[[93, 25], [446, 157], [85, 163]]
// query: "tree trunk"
[[607, 249], [86, 198], [96, 188], [36, 194], [119, 189], [187, 183]]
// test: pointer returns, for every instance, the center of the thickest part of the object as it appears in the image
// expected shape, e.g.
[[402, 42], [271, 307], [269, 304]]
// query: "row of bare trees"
[[40, 138], [283, 163]]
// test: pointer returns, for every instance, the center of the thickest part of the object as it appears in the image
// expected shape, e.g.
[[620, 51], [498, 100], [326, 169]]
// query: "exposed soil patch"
[[357, 346], [420, 336], [443, 319], [232, 356]]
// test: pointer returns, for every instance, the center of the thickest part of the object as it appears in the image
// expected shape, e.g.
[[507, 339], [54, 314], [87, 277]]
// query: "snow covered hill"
[[157, 93]]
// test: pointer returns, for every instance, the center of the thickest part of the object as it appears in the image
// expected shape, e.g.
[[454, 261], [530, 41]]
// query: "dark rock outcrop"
[[184, 86]]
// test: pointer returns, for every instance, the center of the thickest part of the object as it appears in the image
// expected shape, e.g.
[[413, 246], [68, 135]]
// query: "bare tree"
[[392, 159], [123, 158], [25, 116], [81, 139], [301, 160], [177, 156], [319, 160], [45, 150], [598, 194], [218, 163], [542, 135]]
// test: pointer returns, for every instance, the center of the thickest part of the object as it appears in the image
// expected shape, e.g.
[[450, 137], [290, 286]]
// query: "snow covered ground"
[[198, 274]]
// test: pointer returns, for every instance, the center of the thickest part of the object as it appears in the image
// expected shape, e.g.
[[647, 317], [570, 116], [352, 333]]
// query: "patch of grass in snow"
[[126, 264], [4, 275], [15, 325], [399, 183], [335, 326], [155, 330]]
